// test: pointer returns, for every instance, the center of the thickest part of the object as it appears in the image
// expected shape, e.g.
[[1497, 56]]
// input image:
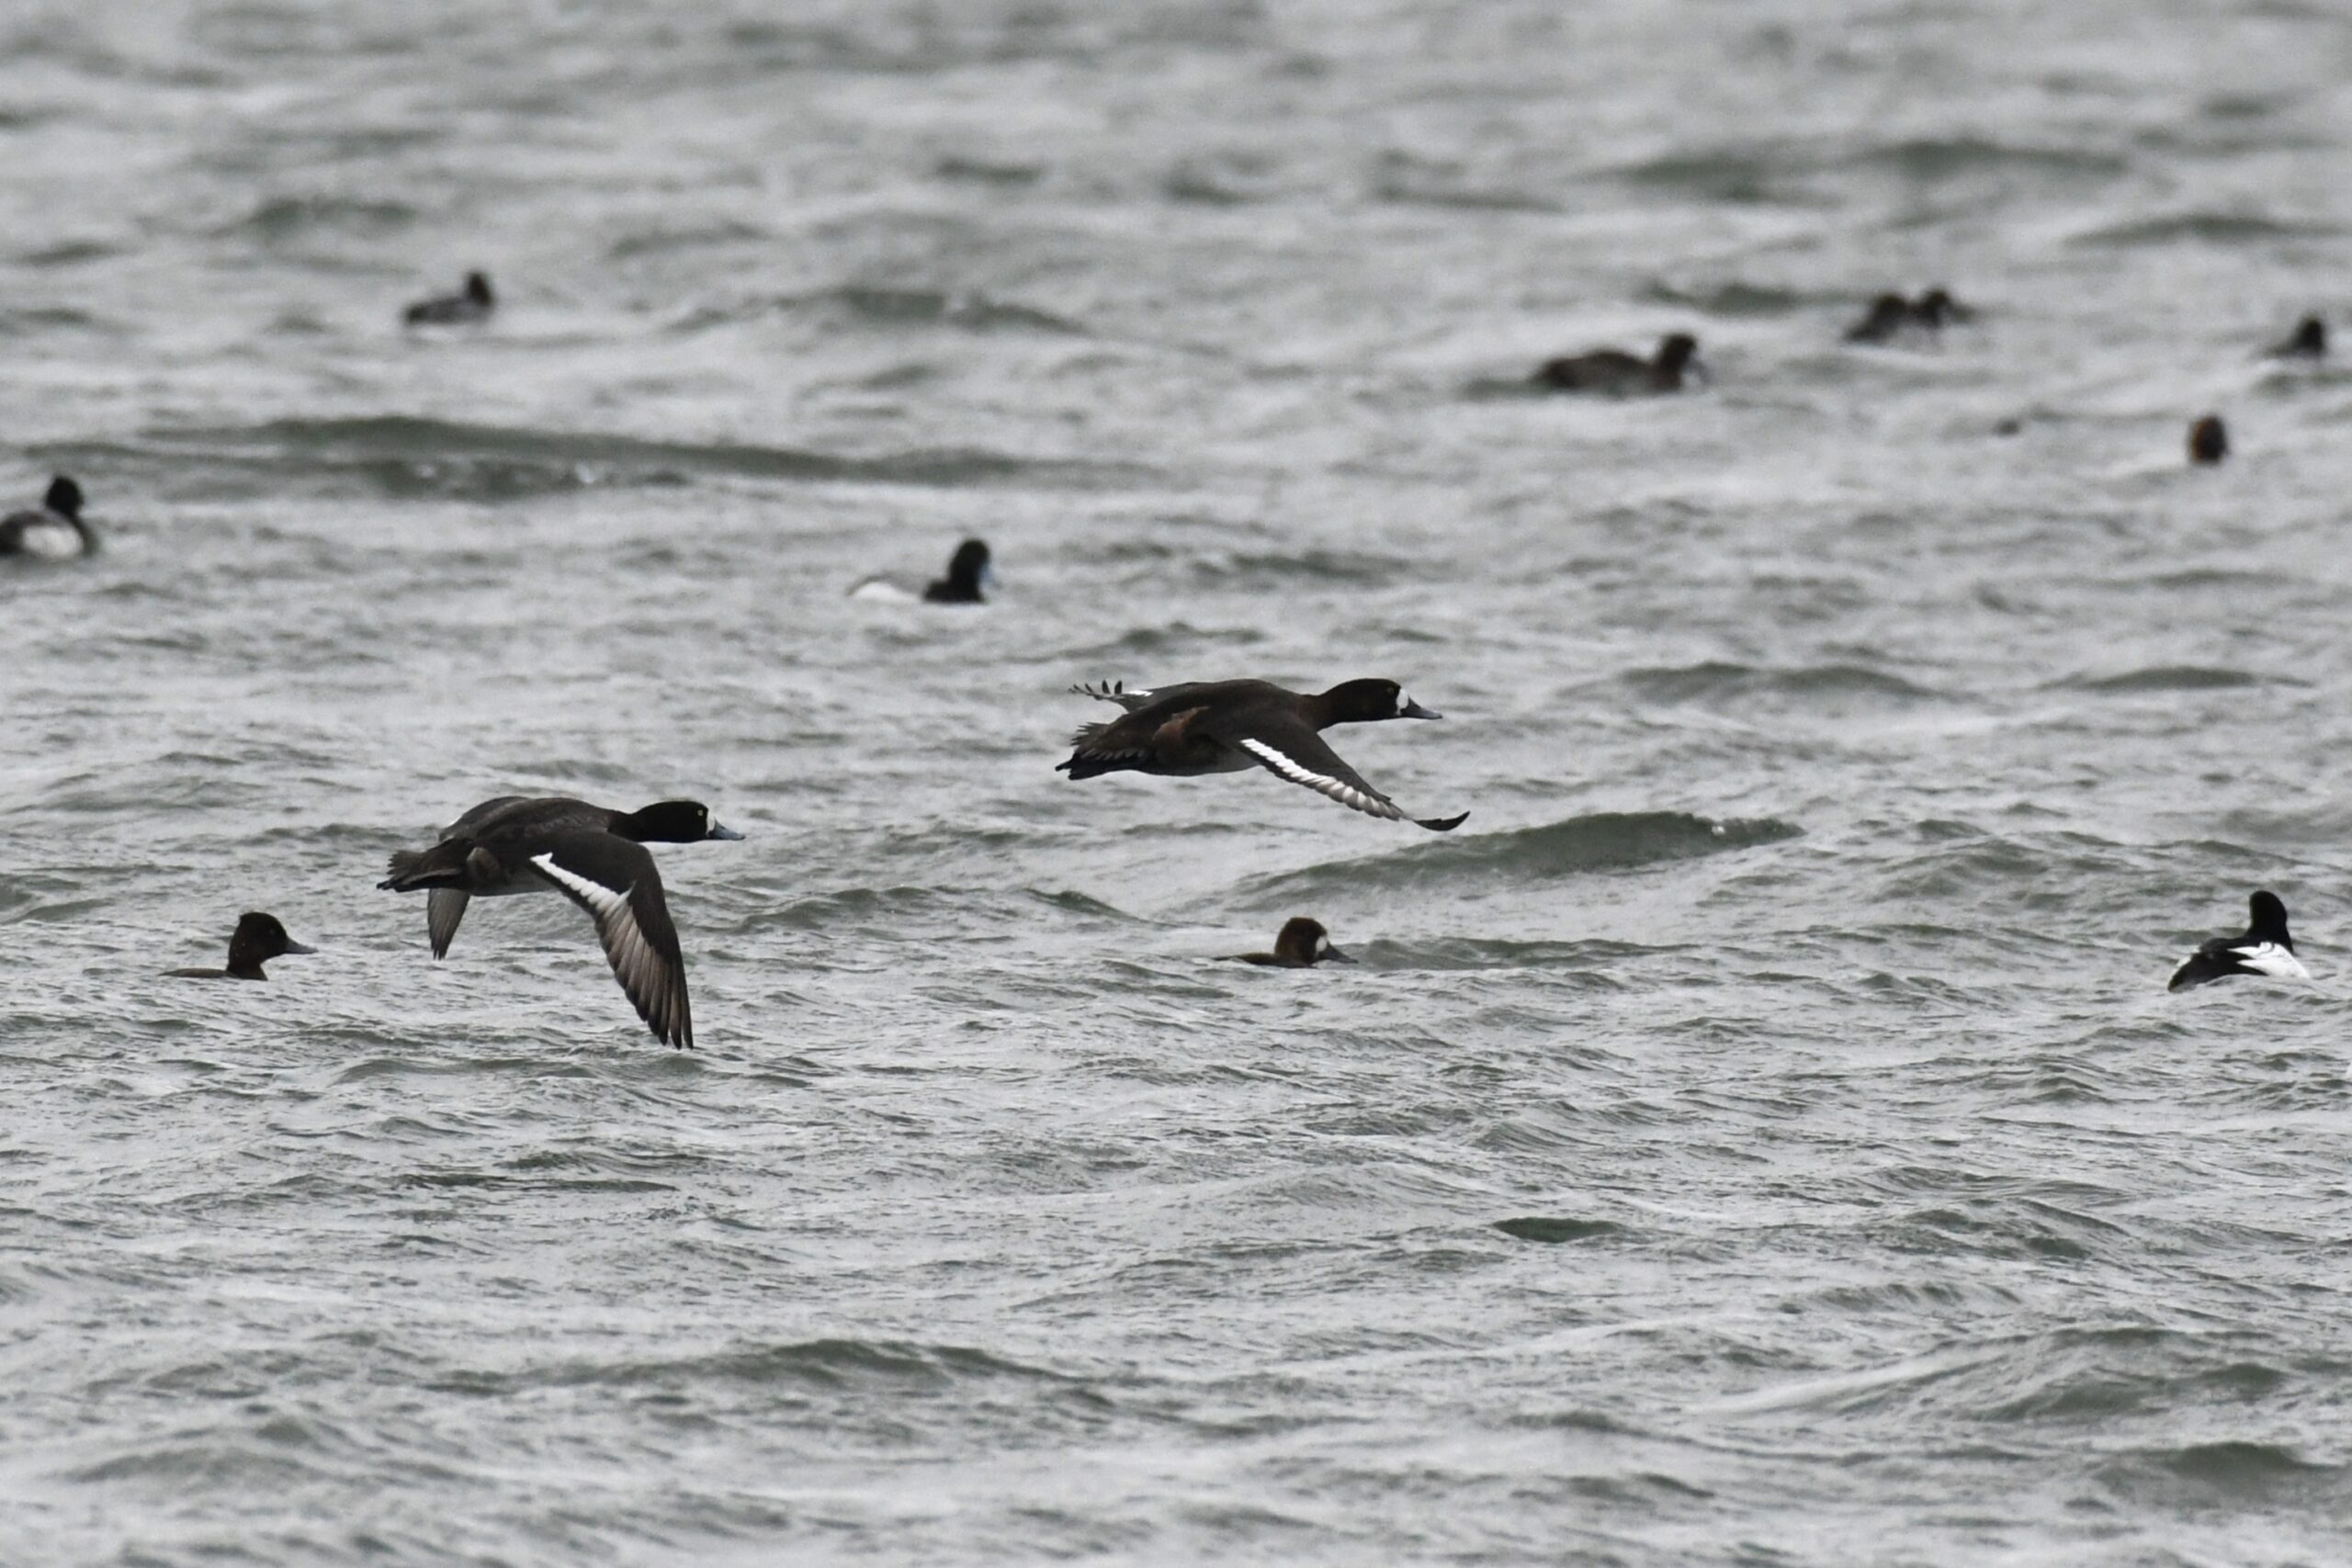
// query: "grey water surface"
[[1761, 1135]]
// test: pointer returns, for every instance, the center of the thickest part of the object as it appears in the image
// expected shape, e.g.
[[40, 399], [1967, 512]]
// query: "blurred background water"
[[1759, 1136]]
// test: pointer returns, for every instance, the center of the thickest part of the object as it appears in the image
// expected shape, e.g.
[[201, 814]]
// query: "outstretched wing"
[[616, 882], [1304, 759], [444, 907]]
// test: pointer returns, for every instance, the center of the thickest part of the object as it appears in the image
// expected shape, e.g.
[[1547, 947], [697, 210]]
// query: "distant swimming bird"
[[968, 572], [1937, 307], [1302, 944], [2264, 949], [473, 304], [2309, 340], [1891, 317], [2208, 440], [591, 854], [54, 530], [1888, 316], [258, 937], [1614, 372], [1228, 727]]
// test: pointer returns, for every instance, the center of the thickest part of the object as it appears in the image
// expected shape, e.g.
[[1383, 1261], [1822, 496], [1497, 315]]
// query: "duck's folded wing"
[[444, 907], [469, 825], [1128, 742], [2208, 962], [539, 815], [616, 882], [1299, 755]]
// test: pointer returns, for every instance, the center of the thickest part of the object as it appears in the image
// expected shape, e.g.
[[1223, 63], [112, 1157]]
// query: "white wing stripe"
[[607, 904], [1346, 795]]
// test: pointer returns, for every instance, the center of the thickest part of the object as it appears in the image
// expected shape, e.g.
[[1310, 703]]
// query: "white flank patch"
[[2269, 958], [51, 541], [601, 898], [1346, 795]]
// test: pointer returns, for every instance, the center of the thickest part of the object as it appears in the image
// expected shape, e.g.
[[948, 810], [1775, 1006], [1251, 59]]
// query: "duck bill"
[[720, 831], [1415, 710], [298, 948], [1333, 955]]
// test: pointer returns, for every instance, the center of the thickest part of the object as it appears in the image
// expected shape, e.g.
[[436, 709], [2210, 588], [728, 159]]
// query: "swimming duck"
[[1937, 307], [2264, 949], [968, 572], [1616, 373], [1891, 317], [257, 939], [591, 856], [1302, 944], [473, 304], [2309, 340], [1888, 316], [54, 530], [1228, 727], [2208, 440]]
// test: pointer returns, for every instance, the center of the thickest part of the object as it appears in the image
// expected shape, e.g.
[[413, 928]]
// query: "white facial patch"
[[1322, 945], [1345, 794], [1404, 699]]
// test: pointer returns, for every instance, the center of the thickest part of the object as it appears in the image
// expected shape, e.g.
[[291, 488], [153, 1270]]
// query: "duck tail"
[[1088, 765], [413, 869]]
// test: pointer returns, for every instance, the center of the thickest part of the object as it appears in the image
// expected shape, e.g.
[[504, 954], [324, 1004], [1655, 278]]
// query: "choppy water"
[[1759, 1136]]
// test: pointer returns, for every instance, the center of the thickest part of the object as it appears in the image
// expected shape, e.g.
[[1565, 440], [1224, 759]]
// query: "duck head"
[[672, 822], [1361, 701], [1305, 943], [65, 498]]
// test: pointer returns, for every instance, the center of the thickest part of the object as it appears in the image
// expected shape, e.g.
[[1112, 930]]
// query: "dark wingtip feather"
[[1442, 824]]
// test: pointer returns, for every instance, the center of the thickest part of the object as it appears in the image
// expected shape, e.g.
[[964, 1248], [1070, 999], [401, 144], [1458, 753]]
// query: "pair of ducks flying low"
[[595, 856]]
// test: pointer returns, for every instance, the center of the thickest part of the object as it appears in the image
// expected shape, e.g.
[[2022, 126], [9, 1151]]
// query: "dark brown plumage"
[[258, 939], [2208, 440], [1614, 372], [1301, 945]]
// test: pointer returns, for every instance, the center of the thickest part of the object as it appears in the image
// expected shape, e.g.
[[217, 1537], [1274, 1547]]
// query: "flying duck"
[[591, 854], [2264, 949], [1302, 944], [473, 304], [53, 530], [1228, 727], [1614, 372], [258, 937]]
